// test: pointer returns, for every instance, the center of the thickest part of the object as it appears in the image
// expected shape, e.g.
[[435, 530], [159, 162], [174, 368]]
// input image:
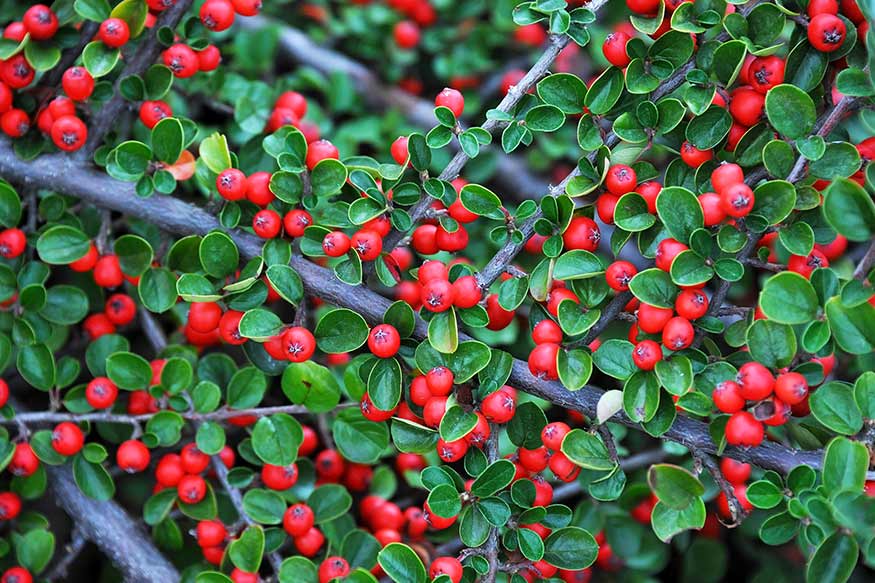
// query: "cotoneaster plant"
[[289, 298]]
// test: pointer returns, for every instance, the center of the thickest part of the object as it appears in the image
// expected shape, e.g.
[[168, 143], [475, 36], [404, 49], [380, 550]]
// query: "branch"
[[60, 173], [71, 552], [147, 53], [736, 510], [866, 262]]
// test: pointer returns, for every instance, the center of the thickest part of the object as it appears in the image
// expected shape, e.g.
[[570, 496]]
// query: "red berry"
[[67, 438], [78, 83], [438, 295], [499, 407], [614, 49], [309, 543], [451, 99], [320, 150], [209, 58], [24, 461], [108, 272], [10, 505], [553, 434], [646, 354], [712, 208], [120, 309], [621, 179], [804, 266], [193, 460], [267, 223], [371, 412], [666, 251], [542, 361], [619, 274], [16, 575], [229, 328], [296, 221], [725, 176], [298, 519], [435, 521], [279, 477], [114, 32], [210, 533], [432, 270], [231, 184], [368, 244], [69, 133], [151, 112], [449, 566], [466, 292], [40, 21], [756, 381], [132, 456], [384, 341], [693, 156], [691, 304], [17, 72], [646, 7], [791, 388], [204, 317], [678, 333], [406, 35], [101, 393], [97, 325], [582, 233], [181, 59], [747, 106], [547, 331], [735, 472], [826, 32], [169, 470], [191, 489], [299, 343], [652, 319], [766, 72], [293, 101], [451, 241], [399, 150], [440, 381], [15, 123], [737, 200], [217, 15], [424, 239], [329, 465], [534, 460], [744, 430], [499, 318], [452, 451], [12, 243], [336, 243]]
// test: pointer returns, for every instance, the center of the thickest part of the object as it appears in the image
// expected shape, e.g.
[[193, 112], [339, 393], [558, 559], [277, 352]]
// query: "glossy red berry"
[[169, 470], [440, 381], [368, 244], [12, 243], [791, 388], [16, 575], [229, 328], [298, 519], [67, 438], [547, 331], [712, 208], [132, 456], [209, 58], [399, 150], [120, 309], [678, 334], [744, 430], [114, 32], [40, 21], [267, 223], [735, 472], [191, 489], [193, 460], [329, 465], [755, 380], [725, 176], [406, 35], [231, 184], [24, 461], [499, 407], [10, 506], [747, 106], [371, 412], [666, 252], [320, 150], [78, 83], [151, 112], [309, 543], [646, 354], [438, 295], [449, 566], [333, 568], [805, 265], [69, 133], [384, 341], [204, 317], [553, 434], [181, 60], [452, 451], [217, 15], [693, 156], [336, 243], [619, 274], [210, 533], [691, 304], [614, 49], [621, 179], [279, 477], [15, 123], [299, 344], [582, 233], [466, 292], [296, 221], [816, 7], [646, 7], [101, 393], [766, 72], [737, 200], [826, 32], [652, 319], [17, 72], [451, 99], [542, 361]]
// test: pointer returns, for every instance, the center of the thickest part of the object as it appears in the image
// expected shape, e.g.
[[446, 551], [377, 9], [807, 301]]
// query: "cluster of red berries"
[[119, 310], [737, 474], [184, 62], [290, 109], [218, 15], [756, 398], [417, 14]]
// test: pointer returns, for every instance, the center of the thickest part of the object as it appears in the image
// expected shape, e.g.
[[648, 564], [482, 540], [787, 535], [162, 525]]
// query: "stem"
[[735, 508], [866, 262]]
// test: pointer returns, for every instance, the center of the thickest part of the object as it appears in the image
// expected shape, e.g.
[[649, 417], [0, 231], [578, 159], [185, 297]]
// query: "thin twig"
[[72, 550], [866, 262], [735, 508]]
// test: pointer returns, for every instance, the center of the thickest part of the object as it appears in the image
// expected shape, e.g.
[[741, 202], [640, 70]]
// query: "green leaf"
[[61, 244], [587, 450], [444, 501], [575, 368], [286, 282], [95, 10], [675, 487], [402, 564], [260, 325], [329, 502], [789, 298], [312, 385], [210, 438], [680, 212], [480, 201], [790, 111], [276, 439], [834, 405], [247, 550], [605, 91], [834, 560], [774, 200], [853, 328], [849, 210], [411, 437], [667, 521], [443, 332], [99, 59], [771, 343], [157, 290], [93, 479], [34, 549], [844, 465], [215, 154], [340, 331], [128, 370], [384, 384], [218, 254], [614, 358], [577, 264], [134, 254], [570, 548], [167, 140], [655, 287], [708, 129], [544, 118], [764, 494], [457, 423], [327, 177], [494, 478], [563, 90], [358, 439], [264, 506]]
